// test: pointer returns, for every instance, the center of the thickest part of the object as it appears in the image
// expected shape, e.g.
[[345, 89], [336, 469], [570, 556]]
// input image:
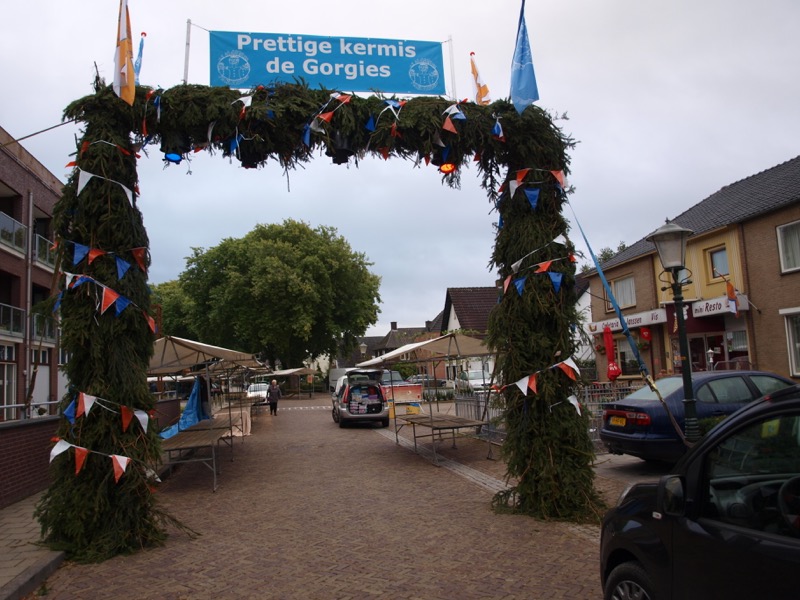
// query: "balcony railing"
[[43, 328], [45, 253], [13, 233], [12, 320]]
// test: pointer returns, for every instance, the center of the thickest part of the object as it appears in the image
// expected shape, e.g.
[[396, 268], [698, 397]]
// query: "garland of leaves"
[[547, 446]]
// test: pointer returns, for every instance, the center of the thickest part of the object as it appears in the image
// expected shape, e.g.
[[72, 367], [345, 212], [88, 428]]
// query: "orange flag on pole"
[[124, 75], [482, 95]]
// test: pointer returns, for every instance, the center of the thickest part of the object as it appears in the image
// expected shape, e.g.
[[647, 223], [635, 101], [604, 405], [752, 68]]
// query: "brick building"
[[746, 234], [29, 355]]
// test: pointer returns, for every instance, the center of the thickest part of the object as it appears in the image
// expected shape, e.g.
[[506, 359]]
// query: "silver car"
[[361, 399]]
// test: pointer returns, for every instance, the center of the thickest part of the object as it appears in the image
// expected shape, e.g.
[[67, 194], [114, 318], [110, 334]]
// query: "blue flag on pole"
[[524, 91]]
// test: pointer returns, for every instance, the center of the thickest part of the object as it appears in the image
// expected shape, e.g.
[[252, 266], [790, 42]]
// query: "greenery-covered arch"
[[101, 512]]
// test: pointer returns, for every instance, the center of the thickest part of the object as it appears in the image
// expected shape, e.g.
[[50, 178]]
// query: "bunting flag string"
[[530, 382], [561, 239], [107, 298], [85, 177], [119, 462], [82, 404]]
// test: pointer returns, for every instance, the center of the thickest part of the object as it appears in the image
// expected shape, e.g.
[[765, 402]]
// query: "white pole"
[[452, 67], [186, 56]]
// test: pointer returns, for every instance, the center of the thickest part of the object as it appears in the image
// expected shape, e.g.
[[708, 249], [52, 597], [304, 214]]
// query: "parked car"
[[473, 381], [427, 381], [361, 399], [257, 392], [639, 425], [724, 523]]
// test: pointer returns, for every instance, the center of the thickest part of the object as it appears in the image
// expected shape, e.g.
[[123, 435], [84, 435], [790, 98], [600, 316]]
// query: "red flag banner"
[[80, 458], [127, 415]]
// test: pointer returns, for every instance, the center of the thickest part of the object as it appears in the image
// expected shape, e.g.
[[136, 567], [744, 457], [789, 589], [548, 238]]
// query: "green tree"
[[287, 291], [174, 307]]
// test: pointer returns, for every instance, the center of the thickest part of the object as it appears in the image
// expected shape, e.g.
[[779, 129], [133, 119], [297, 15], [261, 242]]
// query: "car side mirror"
[[671, 496]]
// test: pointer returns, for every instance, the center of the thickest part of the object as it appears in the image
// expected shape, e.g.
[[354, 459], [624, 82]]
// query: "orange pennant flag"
[[80, 458], [109, 297], [138, 256], [326, 116], [81, 405], [505, 283], [120, 464], [532, 383], [150, 321], [448, 125], [543, 267], [124, 74], [94, 253], [521, 174], [127, 415], [559, 175], [568, 370]]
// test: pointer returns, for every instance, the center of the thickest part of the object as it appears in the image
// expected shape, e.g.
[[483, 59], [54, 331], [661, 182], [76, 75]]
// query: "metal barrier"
[[592, 397]]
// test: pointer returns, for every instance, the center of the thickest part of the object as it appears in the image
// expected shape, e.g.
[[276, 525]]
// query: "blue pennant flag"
[[524, 90], [370, 126], [122, 267], [533, 196], [555, 279], [307, 135], [122, 303], [69, 412], [79, 252], [519, 283]]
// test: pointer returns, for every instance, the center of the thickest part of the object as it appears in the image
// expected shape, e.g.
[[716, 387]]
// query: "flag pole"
[[186, 55], [452, 67]]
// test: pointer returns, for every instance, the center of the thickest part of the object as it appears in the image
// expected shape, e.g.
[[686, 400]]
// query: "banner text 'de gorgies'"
[[245, 60]]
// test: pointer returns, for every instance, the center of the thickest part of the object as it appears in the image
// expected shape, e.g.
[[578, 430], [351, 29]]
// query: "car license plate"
[[617, 421]]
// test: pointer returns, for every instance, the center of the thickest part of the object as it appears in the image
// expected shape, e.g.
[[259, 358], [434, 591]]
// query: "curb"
[[31, 578]]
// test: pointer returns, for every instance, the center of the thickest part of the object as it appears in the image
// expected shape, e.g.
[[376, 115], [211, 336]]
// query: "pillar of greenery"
[[547, 446], [88, 514]]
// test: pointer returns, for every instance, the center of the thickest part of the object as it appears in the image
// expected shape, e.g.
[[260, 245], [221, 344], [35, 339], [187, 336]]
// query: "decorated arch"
[[108, 327]]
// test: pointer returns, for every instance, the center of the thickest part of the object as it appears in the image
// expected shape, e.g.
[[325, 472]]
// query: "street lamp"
[[363, 347], [670, 243]]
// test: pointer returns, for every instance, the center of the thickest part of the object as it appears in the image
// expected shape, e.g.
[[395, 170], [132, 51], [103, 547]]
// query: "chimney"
[[394, 325]]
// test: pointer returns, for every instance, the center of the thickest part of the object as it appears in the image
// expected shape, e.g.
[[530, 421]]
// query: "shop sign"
[[717, 306], [649, 317]]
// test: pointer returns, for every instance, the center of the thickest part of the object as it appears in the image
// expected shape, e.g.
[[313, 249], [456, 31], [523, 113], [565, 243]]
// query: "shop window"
[[789, 246], [624, 291], [719, 262]]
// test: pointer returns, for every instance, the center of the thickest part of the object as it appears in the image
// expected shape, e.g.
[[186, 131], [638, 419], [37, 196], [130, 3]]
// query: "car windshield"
[[666, 386], [478, 375], [257, 387], [395, 378]]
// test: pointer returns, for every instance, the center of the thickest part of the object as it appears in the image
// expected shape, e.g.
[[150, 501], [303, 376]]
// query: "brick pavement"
[[311, 511]]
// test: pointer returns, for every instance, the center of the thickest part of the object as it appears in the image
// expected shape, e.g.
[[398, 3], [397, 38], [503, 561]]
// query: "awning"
[[451, 345], [174, 354], [288, 372]]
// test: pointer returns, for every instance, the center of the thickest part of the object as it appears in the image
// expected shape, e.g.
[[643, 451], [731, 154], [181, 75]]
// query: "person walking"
[[273, 395]]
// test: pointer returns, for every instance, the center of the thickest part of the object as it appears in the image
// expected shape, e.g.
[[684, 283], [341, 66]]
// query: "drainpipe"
[[26, 361]]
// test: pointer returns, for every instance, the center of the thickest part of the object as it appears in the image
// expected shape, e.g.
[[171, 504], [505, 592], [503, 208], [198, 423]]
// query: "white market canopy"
[[174, 354], [451, 345]]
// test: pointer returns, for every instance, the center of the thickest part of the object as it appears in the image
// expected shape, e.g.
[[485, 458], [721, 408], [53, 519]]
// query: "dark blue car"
[[724, 523], [640, 426]]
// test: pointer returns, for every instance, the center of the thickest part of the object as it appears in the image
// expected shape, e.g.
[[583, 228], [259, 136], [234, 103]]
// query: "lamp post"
[[670, 243], [363, 347]]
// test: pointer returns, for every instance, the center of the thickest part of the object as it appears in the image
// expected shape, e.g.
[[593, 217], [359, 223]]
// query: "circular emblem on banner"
[[423, 74], [233, 67]]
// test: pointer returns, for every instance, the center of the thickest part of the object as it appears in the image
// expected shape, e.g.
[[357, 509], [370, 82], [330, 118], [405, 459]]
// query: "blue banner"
[[246, 60]]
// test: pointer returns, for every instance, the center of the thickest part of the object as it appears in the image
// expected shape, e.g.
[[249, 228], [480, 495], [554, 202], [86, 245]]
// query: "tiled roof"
[[472, 307], [398, 337], [737, 202]]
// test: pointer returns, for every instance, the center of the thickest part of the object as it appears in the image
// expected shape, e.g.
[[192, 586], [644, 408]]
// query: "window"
[[719, 262], [7, 352], [624, 291], [789, 246], [746, 471], [793, 339], [724, 391]]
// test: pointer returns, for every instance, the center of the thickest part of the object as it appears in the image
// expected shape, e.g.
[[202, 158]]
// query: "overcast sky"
[[670, 101]]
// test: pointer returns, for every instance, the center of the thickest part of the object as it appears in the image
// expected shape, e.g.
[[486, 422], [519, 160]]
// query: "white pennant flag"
[[522, 384], [88, 403], [84, 177], [61, 446], [574, 401], [143, 417]]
